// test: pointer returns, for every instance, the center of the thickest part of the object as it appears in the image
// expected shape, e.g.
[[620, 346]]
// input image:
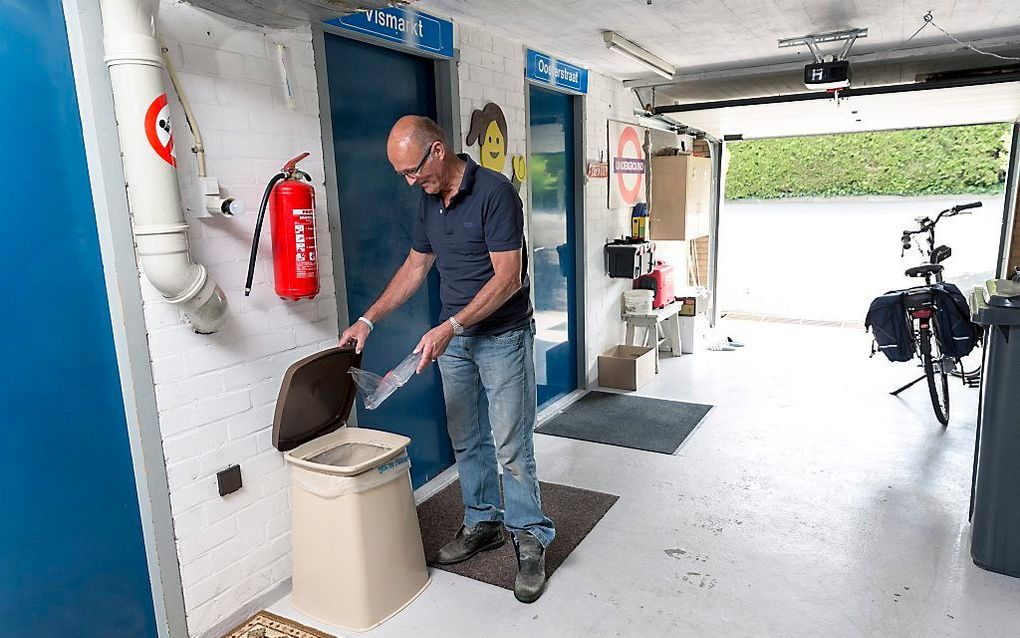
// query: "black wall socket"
[[229, 480]]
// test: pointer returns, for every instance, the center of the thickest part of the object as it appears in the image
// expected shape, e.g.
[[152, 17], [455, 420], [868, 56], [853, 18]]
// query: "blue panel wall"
[[72, 560], [370, 87]]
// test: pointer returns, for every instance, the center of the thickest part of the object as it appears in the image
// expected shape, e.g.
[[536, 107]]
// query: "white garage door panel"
[[916, 109]]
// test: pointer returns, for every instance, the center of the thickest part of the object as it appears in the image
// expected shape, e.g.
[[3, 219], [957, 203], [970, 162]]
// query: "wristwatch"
[[458, 329]]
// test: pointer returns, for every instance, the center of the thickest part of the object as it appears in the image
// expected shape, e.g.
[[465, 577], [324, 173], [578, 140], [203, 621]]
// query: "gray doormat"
[[628, 421], [574, 511]]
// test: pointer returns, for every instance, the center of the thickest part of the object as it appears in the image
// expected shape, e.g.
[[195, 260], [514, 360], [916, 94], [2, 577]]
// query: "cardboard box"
[[693, 304], [626, 367]]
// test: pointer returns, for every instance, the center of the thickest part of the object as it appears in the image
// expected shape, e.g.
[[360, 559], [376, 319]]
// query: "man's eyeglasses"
[[421, 164]]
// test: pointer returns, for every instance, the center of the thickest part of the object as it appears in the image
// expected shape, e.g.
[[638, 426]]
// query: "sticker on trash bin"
[[386, 467]]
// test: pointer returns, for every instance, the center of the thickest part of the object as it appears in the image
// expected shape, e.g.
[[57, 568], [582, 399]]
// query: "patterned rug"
[[267, 625]]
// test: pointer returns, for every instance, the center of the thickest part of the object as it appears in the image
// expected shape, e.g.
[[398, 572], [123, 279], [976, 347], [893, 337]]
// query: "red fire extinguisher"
[[292, 218]]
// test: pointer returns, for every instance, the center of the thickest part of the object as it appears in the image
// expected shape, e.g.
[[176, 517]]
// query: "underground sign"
[[157, 130], [627, 165]]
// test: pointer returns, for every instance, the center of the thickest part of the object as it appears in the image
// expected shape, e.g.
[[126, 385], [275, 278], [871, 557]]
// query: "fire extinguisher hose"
[[258, 230]]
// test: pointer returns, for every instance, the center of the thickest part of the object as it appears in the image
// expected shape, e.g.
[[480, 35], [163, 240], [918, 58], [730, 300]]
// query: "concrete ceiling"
[[289, 13], [727, 49], [718, 34], [979, 104]]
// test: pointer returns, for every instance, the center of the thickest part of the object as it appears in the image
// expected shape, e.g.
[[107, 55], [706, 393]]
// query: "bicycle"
[[921, 306]]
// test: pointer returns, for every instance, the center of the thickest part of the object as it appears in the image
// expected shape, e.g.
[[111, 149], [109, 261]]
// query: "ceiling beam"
[[899, 54]]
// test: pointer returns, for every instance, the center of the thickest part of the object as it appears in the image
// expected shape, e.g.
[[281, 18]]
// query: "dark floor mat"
[[574, 511], [640, 423]]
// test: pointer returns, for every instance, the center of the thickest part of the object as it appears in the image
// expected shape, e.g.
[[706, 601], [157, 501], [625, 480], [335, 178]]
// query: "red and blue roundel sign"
[[627, 165]]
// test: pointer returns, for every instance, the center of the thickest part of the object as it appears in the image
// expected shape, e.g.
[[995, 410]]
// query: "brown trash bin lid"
[[316, 397]]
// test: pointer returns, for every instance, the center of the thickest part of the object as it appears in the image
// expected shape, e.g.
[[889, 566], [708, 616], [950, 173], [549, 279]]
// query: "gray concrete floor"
[[808, 503]]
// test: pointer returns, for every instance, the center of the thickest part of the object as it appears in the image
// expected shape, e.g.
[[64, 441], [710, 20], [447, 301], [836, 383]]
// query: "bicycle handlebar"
[[929, 224], [925, 225], [960, 207], [956, 210]]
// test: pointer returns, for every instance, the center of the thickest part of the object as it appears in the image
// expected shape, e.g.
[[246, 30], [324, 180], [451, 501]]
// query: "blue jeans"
[[501, 369]]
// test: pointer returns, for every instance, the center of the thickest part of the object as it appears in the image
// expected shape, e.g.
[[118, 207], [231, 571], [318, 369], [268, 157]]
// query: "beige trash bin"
[[357, 549]]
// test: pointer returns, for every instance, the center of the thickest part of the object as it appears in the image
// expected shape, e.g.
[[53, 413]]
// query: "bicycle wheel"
[[935, 372]]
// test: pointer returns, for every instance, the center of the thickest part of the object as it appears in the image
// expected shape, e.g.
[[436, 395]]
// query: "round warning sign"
[[157, 130], [629, 165]]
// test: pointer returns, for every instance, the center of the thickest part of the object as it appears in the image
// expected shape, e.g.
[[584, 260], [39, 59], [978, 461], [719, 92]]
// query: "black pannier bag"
[[957, 333], [887, 320]]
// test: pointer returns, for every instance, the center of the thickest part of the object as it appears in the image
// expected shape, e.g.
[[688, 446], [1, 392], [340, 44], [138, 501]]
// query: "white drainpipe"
[[133, 57]]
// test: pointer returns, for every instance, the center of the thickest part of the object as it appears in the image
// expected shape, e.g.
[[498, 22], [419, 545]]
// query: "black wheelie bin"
[[995, 505]]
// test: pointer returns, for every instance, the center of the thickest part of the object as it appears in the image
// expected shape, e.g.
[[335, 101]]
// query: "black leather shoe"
[[481, 538], [530, 581]]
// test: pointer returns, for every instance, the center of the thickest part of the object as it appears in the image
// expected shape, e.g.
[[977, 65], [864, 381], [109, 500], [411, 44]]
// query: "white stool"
[[662, 326]]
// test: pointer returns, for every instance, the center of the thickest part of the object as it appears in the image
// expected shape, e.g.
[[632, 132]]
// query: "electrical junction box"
[[827, 76], [228, 481]]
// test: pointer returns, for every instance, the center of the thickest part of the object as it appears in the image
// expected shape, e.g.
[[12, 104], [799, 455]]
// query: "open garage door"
[[919, 105], [994, 99]]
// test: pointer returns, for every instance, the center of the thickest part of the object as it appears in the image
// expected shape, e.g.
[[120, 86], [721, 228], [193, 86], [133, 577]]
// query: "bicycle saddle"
[[924, 270]]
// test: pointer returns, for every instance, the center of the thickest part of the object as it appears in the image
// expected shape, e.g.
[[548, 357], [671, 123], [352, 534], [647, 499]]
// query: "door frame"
[[716, 148], [580, 263], [1007, 239], [448, 113]]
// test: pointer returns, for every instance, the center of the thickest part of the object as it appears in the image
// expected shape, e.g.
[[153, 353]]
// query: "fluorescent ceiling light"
[[623, 46]]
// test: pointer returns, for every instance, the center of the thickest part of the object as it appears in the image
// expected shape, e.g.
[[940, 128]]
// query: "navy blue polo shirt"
[[485, 215]]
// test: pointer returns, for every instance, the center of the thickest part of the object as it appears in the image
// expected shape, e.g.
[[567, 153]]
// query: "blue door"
[[552, 172], [371, 87], [72, 558]]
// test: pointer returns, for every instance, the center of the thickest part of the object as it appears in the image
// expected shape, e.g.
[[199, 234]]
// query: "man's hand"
[[433, 344], [356, 334]]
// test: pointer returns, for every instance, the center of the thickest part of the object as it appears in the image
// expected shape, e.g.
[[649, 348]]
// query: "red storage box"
[[660, 281]]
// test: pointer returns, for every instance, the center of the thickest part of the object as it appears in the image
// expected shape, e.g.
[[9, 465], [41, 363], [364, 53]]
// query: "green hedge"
[[936, 161]]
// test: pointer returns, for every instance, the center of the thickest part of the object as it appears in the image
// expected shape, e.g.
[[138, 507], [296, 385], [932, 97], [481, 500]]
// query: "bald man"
[[470, 223]]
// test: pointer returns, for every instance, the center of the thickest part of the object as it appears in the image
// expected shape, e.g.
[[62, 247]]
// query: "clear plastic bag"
[[375, 389]]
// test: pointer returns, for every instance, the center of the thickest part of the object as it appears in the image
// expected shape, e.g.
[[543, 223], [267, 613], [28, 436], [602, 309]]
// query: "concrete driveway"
[[827, 259]]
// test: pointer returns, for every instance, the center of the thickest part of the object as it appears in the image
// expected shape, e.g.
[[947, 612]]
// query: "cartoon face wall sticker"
[[488, 128]]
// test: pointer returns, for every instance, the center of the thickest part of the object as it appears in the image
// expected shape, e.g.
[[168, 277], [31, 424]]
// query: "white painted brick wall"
[[216, 393], [491, 70]]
